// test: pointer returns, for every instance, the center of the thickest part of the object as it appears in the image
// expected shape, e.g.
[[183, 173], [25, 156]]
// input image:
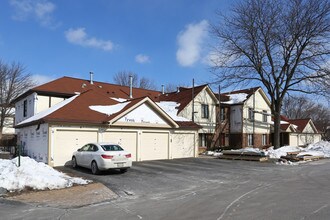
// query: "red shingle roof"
[[78, 111], [68, 86], [301, 123]]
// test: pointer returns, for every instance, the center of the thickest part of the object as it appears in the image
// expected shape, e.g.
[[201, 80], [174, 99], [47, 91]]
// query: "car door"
[[83, 156], [91, 154]]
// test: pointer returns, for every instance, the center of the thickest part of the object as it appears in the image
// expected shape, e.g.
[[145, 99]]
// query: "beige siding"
[[43, 103]]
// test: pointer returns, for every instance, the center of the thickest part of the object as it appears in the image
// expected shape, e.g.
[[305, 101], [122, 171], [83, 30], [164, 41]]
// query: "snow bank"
[[33, 174], [282, 151], [321, 146]]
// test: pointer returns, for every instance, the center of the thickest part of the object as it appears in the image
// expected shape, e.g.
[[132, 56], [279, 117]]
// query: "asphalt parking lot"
[[203, 188]]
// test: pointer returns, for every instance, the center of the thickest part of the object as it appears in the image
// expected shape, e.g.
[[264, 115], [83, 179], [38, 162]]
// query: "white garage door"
[[183, 145], [293, 140], [128, 140], [154, 146], [66, 142]]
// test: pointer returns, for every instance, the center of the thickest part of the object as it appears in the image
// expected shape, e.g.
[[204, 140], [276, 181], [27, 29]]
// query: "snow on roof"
[[33, 174], [118, 99], [236, 98], [109, 109], [46, 112], [171, 109]]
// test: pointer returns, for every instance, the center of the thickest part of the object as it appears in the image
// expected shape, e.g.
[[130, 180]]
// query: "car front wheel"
[[95, 168], [74, 162]]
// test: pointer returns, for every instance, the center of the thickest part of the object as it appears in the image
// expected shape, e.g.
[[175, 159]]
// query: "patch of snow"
[[48, 111], [118, 99], [217, 154], [171, 109], [33, 174], [236, 98], [109, 109]]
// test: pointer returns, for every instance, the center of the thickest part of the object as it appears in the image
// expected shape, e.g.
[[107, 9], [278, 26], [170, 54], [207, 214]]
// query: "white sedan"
[[102, 156]]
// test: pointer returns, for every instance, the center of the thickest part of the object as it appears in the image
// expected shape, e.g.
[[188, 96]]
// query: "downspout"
[[220, 140]]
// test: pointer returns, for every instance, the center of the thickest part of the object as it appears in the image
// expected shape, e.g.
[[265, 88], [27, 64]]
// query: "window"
[[222, 114], [264, 139], [264, 115], [111, 148], [251, 114], [250, 139], [25, 108], [205, 111]]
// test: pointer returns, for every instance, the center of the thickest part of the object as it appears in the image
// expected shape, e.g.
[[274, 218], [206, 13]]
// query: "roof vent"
[[91, 77], [83, 85], [130, 86]]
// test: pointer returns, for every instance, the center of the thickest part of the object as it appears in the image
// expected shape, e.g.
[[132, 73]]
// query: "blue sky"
[[166, 41]]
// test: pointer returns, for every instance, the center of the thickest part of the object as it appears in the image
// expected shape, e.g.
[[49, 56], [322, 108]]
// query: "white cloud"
[[41, 79], [41, 10], [141, 58], [79, 36], [190, 42]]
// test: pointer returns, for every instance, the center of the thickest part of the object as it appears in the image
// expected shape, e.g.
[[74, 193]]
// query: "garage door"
[[127, 140], [66, 142], [183, 145], [154, 146], [293, 140]]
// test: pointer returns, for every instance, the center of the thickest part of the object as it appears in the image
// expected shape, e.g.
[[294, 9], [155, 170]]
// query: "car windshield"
[[111, 147]]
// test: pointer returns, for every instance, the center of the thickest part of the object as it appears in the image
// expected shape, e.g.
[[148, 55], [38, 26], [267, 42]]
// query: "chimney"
[[91, 77], [177, 89], [130, 86], [163, 90]]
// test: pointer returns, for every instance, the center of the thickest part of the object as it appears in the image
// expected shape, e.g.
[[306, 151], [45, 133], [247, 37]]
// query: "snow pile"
[[282, 151], [322, 146], [171, 109], [33, 174]]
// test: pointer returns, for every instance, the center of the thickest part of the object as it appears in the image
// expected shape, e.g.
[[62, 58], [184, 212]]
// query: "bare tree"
[[172, 87], [122, 78], [13, 82], [297, 107], [280, 44]]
